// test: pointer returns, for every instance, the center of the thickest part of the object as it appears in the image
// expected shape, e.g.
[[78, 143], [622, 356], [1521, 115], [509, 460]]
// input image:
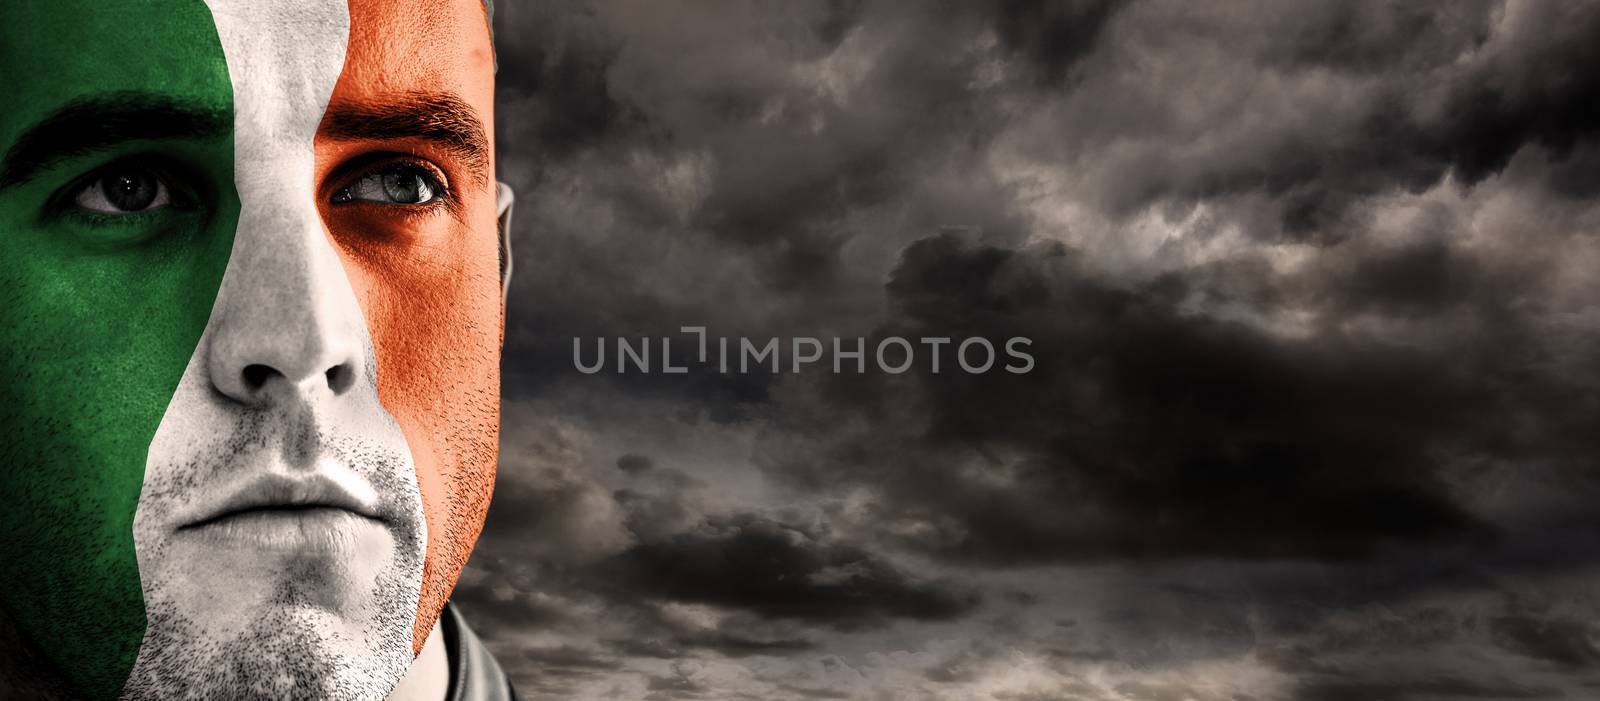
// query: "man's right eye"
[[125, 190]]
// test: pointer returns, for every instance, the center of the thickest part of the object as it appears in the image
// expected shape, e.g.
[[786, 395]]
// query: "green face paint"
[[101, 309]]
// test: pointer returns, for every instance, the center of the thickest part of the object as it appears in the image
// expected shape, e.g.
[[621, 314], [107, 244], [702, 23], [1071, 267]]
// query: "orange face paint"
[[427, 275]]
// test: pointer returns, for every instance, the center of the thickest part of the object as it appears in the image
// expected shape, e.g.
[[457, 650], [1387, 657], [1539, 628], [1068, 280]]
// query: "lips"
[[309, 498]]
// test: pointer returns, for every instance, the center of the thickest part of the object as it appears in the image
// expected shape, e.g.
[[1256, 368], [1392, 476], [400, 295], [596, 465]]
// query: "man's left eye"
[[402, 184]]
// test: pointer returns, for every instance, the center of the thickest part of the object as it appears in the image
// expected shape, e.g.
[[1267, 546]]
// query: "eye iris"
[[406, 188], [129, 192]]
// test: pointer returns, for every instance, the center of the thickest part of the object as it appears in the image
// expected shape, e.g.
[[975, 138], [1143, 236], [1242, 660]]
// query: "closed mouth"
[[268, 511], [280, 496]]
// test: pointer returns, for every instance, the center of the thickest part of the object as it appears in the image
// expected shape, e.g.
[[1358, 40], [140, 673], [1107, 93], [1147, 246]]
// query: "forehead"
[[56, 51], [397, 46]]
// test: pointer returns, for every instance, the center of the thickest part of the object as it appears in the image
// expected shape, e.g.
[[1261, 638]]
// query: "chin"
[[232, 619], [291, 645]]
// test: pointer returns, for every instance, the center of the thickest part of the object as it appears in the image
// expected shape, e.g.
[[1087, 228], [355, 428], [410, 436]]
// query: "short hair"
[[488, 12]]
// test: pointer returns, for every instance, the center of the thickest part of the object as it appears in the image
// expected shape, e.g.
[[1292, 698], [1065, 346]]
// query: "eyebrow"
[[442, 118], [92, 124]]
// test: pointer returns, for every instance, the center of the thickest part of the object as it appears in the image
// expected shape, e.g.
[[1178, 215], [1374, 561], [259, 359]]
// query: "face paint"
[[278, 402], [319, 321], [101, 309], [428, 278]]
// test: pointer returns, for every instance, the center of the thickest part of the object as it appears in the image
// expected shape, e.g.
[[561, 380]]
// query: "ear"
[[504, 198]]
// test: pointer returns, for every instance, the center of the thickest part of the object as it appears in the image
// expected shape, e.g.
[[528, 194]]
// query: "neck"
[[429, 676]]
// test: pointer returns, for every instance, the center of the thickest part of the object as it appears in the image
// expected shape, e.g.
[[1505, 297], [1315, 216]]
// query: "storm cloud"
[[1308, 286]]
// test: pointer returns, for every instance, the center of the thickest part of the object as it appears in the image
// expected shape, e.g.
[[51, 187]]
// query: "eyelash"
[[386, 164], [181, 187]]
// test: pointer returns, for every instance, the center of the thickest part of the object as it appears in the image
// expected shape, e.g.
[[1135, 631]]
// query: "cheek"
[[436, 339], [95, 348], [435, 314]]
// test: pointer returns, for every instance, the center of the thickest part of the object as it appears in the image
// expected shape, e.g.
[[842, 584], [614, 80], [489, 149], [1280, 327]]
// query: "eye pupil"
[[130, 192], [406, 188]]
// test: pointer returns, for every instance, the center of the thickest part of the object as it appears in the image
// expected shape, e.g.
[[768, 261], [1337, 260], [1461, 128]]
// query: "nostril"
[[257, 375], [339, 378]]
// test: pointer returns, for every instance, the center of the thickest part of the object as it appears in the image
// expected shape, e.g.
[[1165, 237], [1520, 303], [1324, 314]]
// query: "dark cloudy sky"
[[1316, 409]]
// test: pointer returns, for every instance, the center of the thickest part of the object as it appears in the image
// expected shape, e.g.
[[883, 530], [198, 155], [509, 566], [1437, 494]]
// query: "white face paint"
[[280, 531]]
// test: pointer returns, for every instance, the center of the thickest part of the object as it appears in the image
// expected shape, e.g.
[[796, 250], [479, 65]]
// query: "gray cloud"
[[1310, 292]]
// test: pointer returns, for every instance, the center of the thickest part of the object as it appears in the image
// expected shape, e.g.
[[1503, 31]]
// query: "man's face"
[[249, 280]]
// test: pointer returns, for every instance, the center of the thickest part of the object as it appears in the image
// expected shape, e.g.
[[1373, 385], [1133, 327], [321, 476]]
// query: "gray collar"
[[474, 675]]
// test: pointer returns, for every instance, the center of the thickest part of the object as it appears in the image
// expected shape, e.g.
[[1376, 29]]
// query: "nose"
[[285, 321], [301, 361]]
